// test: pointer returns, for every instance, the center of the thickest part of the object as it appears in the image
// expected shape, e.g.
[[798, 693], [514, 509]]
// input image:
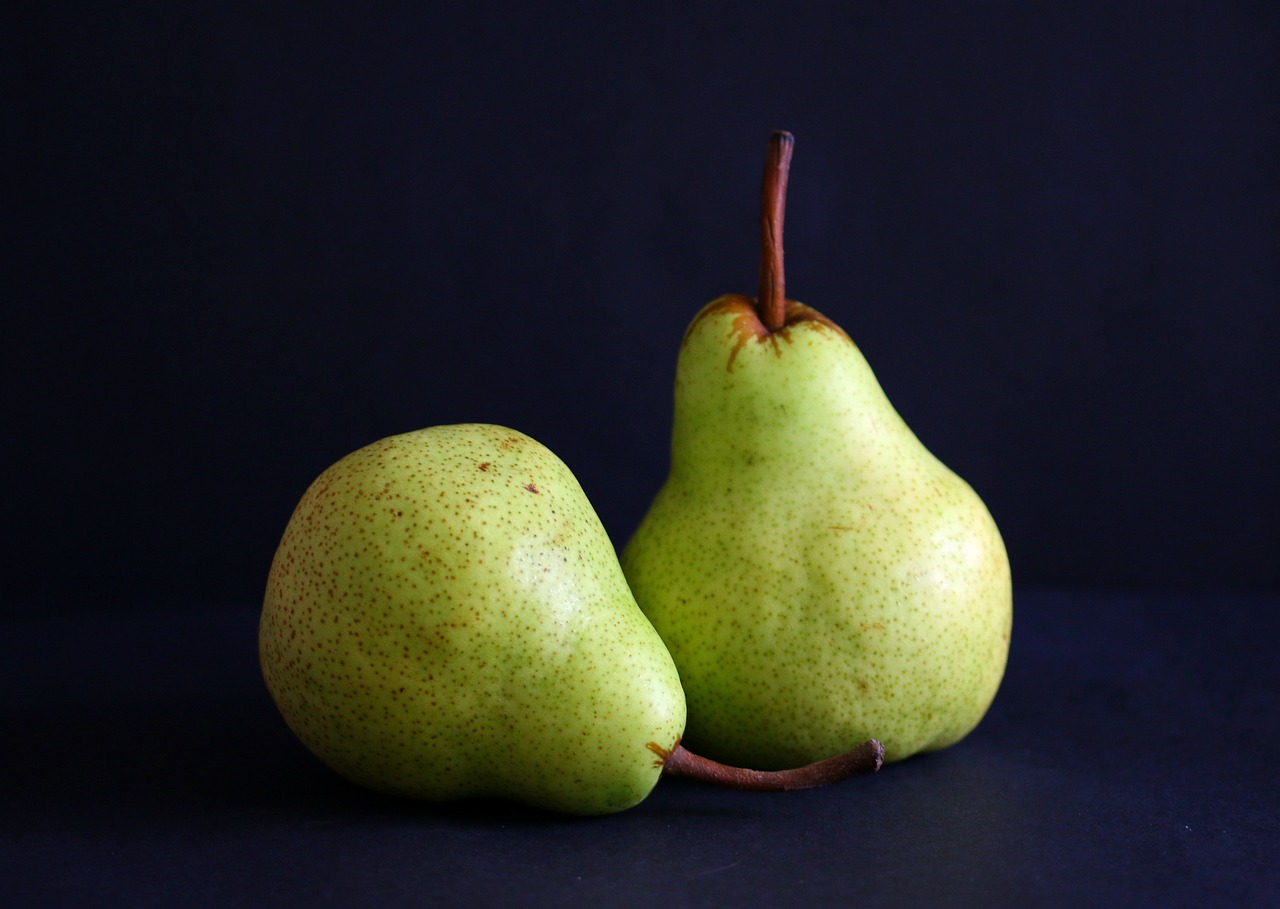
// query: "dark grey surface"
[[1128, 760]]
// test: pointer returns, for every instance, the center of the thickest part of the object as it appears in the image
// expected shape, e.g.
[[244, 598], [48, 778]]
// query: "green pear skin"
[[446, 618], [819, 577]]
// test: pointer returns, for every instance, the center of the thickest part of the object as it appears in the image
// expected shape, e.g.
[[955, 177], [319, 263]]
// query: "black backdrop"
[[244, 239]]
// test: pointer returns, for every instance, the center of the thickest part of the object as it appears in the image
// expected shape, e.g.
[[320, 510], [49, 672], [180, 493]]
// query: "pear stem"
[[681, 762], [771, 304]]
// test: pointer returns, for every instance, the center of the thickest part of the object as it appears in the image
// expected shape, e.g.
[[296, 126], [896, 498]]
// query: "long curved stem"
[[680, 762], [771, 304]]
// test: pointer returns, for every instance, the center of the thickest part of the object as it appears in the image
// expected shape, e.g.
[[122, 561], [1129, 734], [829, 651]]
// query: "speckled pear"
[[818, 575], [446, 618]]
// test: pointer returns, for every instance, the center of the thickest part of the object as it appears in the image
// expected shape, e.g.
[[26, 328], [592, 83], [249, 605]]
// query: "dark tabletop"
[[1130, 759]]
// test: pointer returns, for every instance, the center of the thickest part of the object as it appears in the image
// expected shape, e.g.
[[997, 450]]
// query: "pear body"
[[446, 618], [818, 575]]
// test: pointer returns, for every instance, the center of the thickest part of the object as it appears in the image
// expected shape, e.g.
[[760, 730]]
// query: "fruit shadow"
[[228, 760]]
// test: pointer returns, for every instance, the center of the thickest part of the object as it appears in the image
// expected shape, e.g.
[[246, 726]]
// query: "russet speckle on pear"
[[446, 618], [818, 575]]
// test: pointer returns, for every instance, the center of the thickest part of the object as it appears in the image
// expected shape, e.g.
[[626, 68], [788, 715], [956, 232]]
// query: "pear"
[[819, 576], [445, 618]]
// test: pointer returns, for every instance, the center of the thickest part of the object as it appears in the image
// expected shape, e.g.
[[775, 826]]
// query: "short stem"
[[771, 304], [679, 761]]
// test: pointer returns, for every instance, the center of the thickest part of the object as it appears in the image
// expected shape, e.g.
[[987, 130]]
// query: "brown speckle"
[[746, 323], [531, 487]]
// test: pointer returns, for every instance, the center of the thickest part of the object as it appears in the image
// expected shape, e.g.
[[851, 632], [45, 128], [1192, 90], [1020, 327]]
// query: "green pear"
[[819, 576], [446, 618]]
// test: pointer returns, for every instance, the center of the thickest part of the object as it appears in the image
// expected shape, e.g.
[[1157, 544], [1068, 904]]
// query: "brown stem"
[[771, 305], [679, 761]]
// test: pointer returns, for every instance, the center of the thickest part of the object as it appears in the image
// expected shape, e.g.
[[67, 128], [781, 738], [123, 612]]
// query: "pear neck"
[[774, 403]]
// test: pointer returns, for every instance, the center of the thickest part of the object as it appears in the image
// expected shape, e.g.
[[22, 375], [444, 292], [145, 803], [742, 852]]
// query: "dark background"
[[246, 239]]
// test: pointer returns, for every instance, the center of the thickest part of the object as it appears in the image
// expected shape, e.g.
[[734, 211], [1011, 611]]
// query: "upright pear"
[[818, 575]]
